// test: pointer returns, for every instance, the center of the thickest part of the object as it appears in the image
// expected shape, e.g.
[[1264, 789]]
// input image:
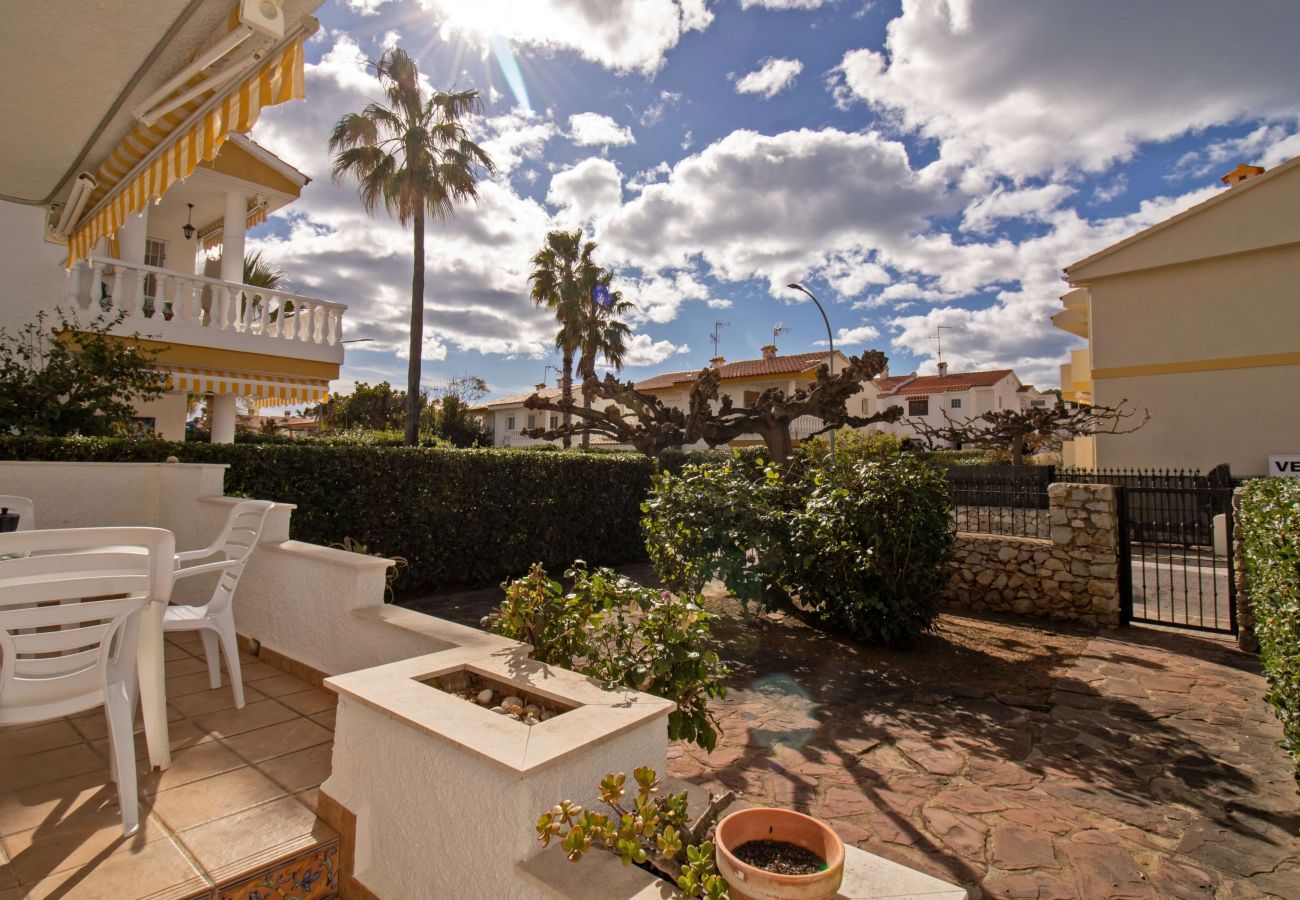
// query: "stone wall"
[[1003, 520], [1071, 575]]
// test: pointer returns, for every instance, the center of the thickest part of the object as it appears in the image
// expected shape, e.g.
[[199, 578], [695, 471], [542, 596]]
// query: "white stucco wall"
[[31, 270], [436, 821]]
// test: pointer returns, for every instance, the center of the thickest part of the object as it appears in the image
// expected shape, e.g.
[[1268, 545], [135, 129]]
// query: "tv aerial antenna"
[[716, 337], [779, 329], [937, 338]]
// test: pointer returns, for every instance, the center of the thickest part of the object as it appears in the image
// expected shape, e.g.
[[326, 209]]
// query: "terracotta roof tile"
[[957, 381], [518, 399]]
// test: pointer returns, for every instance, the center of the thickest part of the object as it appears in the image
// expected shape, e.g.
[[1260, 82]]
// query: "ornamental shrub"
[[863, 550], [1269, 525], [723, 520], [868, 549], [461, 518], [612, 628]]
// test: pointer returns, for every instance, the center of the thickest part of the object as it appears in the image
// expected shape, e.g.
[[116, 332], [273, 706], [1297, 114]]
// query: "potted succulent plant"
[[778, 854]]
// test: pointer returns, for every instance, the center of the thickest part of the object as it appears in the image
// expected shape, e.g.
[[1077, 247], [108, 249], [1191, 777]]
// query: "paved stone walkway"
[[1149, 770]]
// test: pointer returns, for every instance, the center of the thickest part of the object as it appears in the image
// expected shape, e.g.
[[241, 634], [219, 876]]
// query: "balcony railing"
[[183, 305]]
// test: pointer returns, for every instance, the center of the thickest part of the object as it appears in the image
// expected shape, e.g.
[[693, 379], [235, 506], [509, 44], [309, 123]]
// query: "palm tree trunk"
[[585, 371], [417, 337], [566, 388]]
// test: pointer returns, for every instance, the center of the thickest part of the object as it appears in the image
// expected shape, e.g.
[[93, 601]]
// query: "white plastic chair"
[[25, 508], [215, 620], [71, 604]]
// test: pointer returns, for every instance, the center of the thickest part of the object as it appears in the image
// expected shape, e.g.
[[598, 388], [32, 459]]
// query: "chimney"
[[943, 369], [717, 362], [1242, 173], [769, 352]]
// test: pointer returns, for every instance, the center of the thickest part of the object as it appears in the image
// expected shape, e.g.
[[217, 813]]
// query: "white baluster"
[[120, 299], [221, 296], [137, 293], [96, 287], [336, 321], [289, 318], [72, 288], [318, 325], [274, 315], [302, 312]]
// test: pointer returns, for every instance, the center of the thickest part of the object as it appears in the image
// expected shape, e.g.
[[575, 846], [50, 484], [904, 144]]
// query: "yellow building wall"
[[1212, 349]]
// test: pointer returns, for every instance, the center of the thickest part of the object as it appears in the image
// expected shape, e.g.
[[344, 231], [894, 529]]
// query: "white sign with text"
[[1287, 466]]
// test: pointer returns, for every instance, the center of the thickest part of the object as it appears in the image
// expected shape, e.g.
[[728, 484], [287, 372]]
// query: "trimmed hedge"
[[1269, 525], [462, 518]]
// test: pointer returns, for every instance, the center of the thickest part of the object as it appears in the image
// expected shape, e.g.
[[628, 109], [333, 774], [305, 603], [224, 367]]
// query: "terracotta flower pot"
[[747, 882]]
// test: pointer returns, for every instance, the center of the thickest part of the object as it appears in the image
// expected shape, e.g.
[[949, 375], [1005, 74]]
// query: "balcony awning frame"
[[167, 155]]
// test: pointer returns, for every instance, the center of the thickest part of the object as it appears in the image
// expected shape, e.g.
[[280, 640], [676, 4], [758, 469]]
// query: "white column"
[[130, 237], [221, 418], [232, 237]]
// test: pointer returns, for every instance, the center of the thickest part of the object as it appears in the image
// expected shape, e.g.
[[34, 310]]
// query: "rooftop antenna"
[[779, 329], [716, 337], [938, 338]]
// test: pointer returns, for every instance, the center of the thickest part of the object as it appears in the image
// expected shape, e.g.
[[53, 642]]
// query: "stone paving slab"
[[1151, 770]]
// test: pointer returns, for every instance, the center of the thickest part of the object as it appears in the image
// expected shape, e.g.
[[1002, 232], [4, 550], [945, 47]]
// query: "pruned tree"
[[643, 421], [1011, 430]]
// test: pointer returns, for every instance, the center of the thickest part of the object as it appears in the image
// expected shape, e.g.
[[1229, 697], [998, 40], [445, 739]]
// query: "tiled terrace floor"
[[1146, 768], [236, 807]]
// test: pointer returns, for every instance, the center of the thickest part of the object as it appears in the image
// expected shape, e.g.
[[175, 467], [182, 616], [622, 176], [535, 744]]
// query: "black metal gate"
[[1169, 571]]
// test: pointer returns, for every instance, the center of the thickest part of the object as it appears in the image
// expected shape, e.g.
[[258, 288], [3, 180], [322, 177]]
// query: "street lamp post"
[[830, 339]]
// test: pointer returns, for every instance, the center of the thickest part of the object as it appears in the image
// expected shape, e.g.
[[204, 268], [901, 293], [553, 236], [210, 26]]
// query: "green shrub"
[[851, 446], [863, 550], [613, 629], [1270, 534], [462, 518], [676, 460], [966, 457], [868, 549], [724, 520]]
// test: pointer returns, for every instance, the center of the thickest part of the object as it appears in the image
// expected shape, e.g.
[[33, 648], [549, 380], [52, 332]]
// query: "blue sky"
[[917, 165]]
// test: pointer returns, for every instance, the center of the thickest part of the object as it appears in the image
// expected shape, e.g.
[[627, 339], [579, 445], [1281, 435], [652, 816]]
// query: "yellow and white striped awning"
[[151, 158], [264, 390], [211, 239]]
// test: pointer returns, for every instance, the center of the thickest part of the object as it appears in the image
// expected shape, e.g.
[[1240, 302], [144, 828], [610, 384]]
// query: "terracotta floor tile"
[[308, 798], [310, 701], [326, 718], [75, 842], [278, 740], [37, 738], [189, 765], [179, 668], [223, 844], [181, 685], [209, 700], [55, 801], [301, 770], [159, 870], [212, 798], [236, 721], [257, 671], [52, 765], [172, 652], [281, 684]]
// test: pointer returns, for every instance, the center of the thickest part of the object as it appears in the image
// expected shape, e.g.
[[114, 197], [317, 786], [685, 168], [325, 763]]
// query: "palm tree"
[[601, 331], [561, 269], [261, 273], [415, 157]]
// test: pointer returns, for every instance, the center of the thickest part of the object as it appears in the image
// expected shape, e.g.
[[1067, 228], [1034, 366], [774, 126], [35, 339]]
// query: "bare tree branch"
[[1012, 429], [644, 422]]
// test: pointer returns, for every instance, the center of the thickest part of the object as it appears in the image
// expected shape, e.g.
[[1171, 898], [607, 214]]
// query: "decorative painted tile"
[[309, 876]]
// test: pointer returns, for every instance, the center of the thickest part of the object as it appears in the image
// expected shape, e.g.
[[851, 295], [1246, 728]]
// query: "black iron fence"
[[1009, 500]]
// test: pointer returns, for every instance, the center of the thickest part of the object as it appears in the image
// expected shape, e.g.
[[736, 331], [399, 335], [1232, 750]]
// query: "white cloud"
[[849, 337], [517, 136], [1027, 89], [622, 35], [824, 193], [589, 189], [718, 304], [1029, 203], [659, 295], [1267, 145], [642, 350], [784, 4], [655, 111], [771, 78], [590, 129]]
